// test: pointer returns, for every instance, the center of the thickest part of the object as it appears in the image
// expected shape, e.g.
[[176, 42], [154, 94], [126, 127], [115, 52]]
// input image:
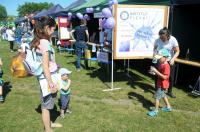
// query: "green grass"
[[94, 110]]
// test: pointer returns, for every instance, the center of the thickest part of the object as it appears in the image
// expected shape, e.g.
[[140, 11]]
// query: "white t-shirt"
[[58, 42], [24, 46], [169, 45], [10, 35]]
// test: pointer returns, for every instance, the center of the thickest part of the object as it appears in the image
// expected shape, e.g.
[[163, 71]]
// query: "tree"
[[11, 18], [3, 13], [31, 7]]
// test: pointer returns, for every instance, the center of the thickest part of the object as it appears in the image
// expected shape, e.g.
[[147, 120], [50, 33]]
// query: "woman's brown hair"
[[40, 31], [164, 31]]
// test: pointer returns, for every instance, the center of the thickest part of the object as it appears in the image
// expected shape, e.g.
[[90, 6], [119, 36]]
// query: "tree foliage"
[[3, 13], [31, 7]]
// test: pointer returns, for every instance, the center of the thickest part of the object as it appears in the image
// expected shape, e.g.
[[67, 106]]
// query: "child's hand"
[[153, 69]]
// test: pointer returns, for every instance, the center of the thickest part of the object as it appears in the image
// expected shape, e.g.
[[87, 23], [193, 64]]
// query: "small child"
[[1, 81], [65, 91], [23, 46], [163, 73], [58, 43]]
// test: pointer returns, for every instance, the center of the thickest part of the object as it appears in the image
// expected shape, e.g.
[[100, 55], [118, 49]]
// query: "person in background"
[[101, 37], [44, 27], [3, 31], [170, 43], [81, 35], [11, 38], [23, 46], [163, 73], [108, 37], [18, 34], [65, 91], [1, 81]]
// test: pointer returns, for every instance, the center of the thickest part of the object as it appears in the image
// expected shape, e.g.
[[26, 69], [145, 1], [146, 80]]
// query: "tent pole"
[[171, 15]]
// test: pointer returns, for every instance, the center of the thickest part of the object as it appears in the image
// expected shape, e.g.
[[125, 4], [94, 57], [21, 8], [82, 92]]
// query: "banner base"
[[111, 89]]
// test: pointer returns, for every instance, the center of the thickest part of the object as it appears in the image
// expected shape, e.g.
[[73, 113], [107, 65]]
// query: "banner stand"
[[112, 83], [128, 67]]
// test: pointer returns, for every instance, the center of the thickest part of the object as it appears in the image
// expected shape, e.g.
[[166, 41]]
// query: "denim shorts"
[[160, 93], [65, 99]]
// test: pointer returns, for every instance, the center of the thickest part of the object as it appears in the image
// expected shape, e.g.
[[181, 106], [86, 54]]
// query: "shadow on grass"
[[145, 103], [118, 75], [6, 89], [82, 65], [69, 55], [144, 86], [54, 113]]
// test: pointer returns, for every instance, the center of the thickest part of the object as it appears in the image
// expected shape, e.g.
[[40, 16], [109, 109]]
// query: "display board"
[[136, 29], [64, 28]]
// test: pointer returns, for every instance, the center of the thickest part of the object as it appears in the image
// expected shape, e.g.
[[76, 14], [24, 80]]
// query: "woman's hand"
[[53, 88], [171, 62]]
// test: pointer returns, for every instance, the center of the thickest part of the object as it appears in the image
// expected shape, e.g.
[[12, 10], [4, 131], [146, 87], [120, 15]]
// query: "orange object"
[[17, 67]]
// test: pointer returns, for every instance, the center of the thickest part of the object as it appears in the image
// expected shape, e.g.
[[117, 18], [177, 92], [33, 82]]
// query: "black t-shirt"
[[80, 33]]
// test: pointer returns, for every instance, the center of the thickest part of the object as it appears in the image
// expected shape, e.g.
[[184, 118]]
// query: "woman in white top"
[[11, 37], [169, 42]]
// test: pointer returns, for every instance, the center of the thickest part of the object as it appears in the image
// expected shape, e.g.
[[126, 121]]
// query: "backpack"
[[32, 63]]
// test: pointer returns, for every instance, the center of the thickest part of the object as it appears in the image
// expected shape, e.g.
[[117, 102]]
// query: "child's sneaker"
[[152, 113], [1, 99], [56, 125], [62, 115], [165, 109], [68, 111]]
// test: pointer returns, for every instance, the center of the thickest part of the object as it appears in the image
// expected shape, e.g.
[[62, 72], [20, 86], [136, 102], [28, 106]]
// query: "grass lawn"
[[122, 110]]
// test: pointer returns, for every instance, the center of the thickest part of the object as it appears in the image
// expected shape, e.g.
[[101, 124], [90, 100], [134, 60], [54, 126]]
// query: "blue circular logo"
[[124, 15]]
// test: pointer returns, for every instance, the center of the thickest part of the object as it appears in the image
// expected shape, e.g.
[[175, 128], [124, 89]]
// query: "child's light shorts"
[[160, 93]]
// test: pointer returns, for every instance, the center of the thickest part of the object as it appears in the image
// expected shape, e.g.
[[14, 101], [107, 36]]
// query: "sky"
[[11, 5]]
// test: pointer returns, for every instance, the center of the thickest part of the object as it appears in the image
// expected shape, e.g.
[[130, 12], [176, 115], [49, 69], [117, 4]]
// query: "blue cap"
[[162, 53]]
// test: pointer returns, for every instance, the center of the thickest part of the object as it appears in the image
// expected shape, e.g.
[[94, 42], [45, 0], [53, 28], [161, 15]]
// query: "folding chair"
[[196, 88], [70, 48]]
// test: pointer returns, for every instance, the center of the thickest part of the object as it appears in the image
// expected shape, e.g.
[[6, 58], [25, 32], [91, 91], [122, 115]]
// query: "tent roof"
[[184, 2], [40, 14], [20, 19], [55, 9], [104, 3], [64, 11], [90, 3], [74, 5]]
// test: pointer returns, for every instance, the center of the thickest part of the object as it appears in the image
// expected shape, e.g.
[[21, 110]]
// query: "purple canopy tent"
[[55, 9], [40, 14]]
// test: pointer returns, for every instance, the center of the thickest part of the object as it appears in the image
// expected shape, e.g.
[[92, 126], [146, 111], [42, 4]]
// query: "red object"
[[165, 70], [63, 22], [65, 43]]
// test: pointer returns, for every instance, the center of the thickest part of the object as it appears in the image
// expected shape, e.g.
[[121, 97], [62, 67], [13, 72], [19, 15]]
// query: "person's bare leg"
[[157, 105], [166, 102], [1, 91], [46, 120], [1, 94]]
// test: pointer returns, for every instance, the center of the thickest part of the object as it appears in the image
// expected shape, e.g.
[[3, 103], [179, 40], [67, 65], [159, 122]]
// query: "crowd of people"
[[53, 79]]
